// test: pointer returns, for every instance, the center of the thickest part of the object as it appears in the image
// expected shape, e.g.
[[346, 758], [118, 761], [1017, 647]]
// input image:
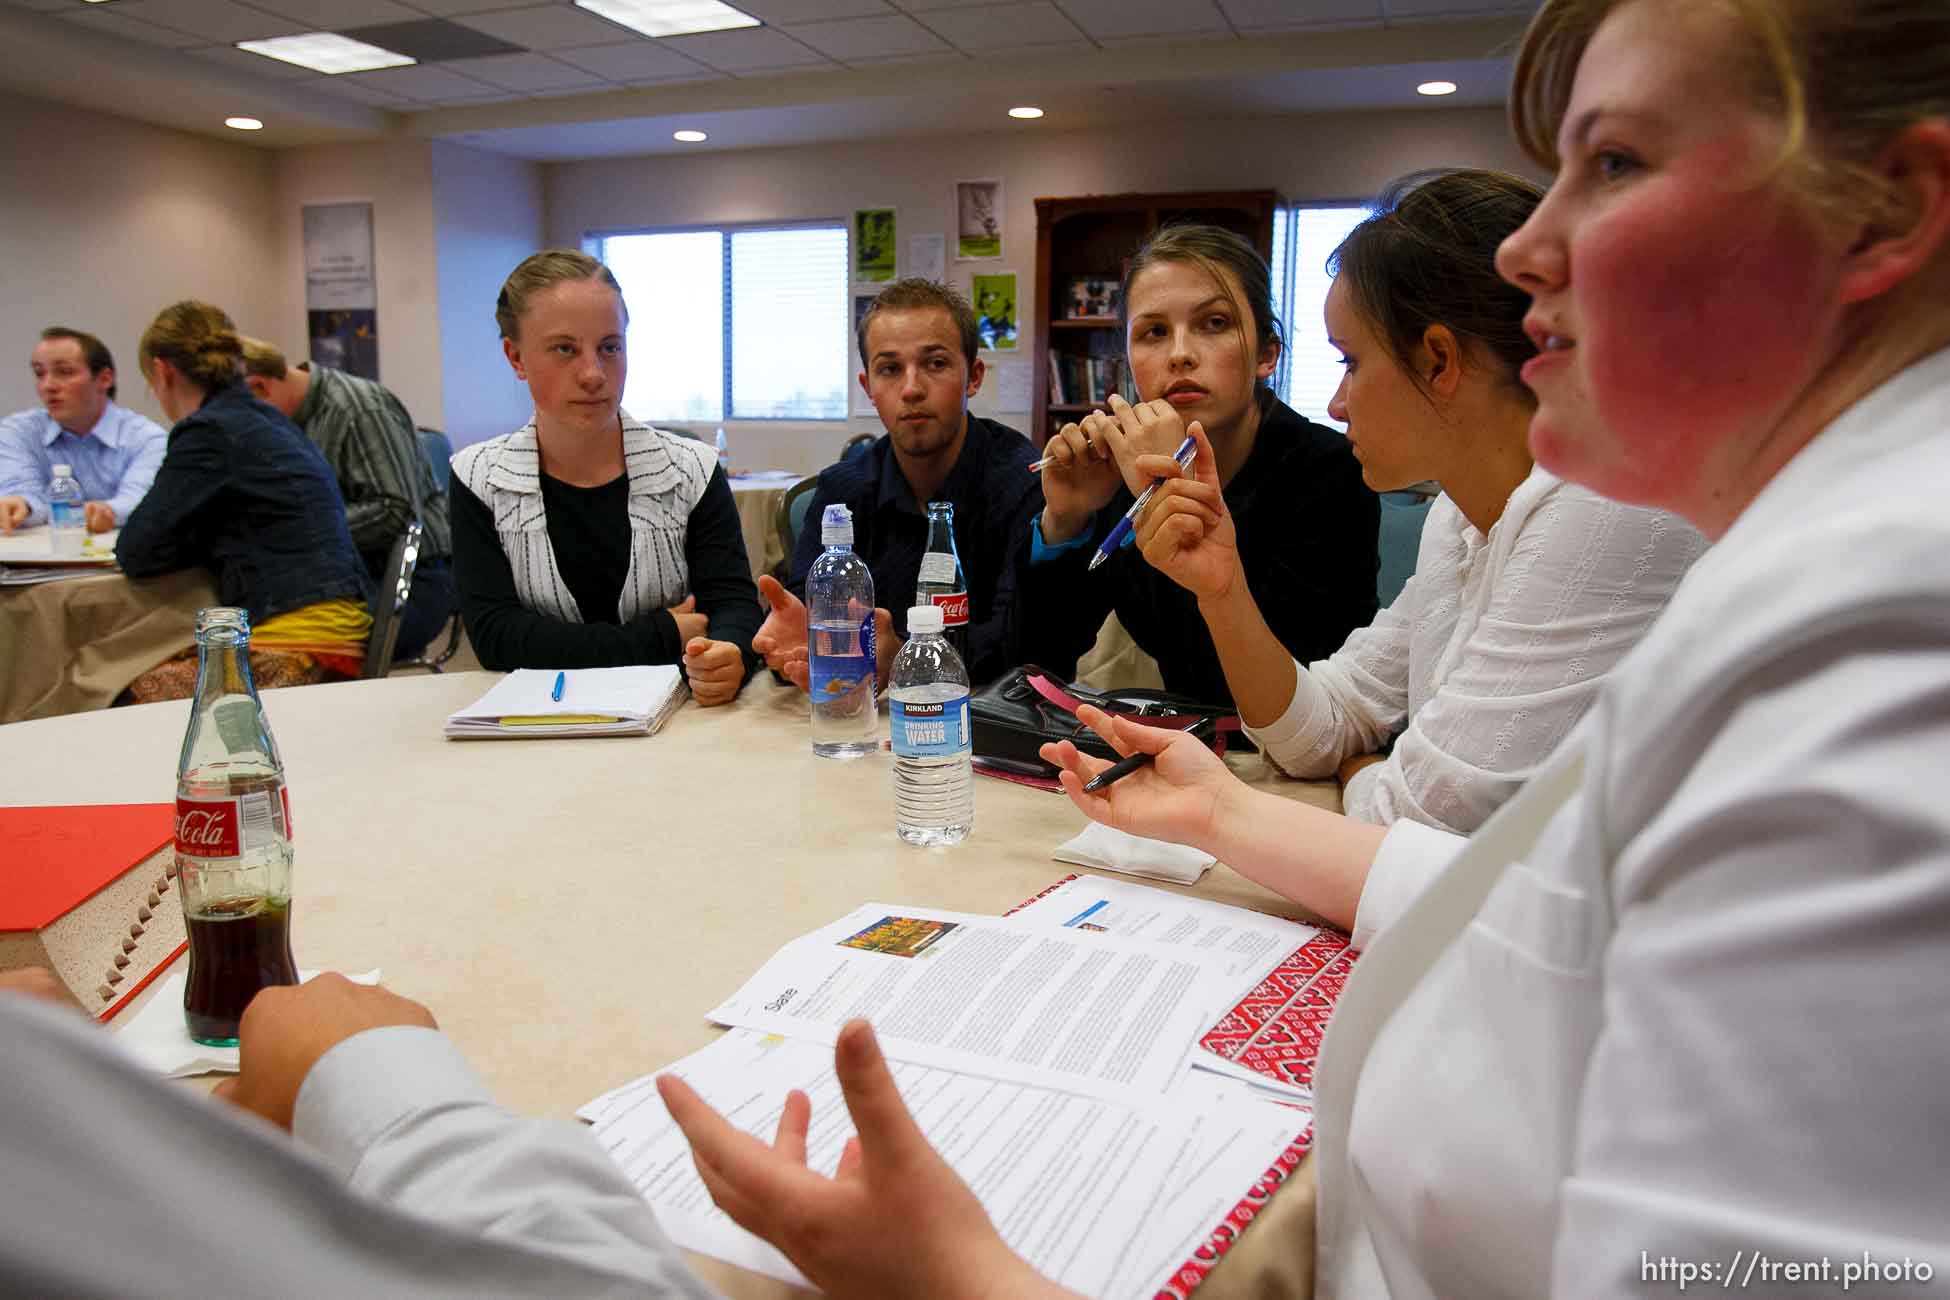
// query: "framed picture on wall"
[[978, 220], [873, 245], [994, 298]]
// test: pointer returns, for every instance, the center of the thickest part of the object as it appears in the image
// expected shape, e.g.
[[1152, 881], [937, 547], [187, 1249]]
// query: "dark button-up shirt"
[[374, 450], [994, 495], [242, 493]]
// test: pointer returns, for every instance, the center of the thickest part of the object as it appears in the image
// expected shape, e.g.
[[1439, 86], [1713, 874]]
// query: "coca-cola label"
[[953, 606], [207, 828]]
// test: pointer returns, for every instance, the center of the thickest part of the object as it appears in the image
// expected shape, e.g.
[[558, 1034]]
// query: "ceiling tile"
[[786, 12], [1005, 26], [43, 6], [549, 27], [641, 60], [352, 90], [332, 15], [130, 28], [527, 72], [431, 40], [1456, 8], [217, 20], [256, 65], [1262, 15], [424, 81], [1111, 20], [448, 8], [748, 49], [868, 38], [780, 12], [929, 6], [1076, 46]]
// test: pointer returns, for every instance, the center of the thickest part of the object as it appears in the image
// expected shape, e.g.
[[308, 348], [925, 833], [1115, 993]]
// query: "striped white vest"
[[668, 475]]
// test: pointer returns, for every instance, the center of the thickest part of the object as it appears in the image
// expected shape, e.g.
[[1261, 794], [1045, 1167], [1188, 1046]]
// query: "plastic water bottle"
[[67, 523], [839, 616], [934, 786], [724, 452]]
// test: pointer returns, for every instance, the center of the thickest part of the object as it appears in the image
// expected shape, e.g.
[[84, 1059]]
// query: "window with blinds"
[[741, 323], [1303, 237]]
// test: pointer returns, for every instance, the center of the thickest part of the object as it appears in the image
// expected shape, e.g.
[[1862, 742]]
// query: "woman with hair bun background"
[[243, 493]]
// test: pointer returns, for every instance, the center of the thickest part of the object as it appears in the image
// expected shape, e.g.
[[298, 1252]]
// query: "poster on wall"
[[978, 220], [927, 256], [862, 404], [994, 297], [341, 296], [873, 245]]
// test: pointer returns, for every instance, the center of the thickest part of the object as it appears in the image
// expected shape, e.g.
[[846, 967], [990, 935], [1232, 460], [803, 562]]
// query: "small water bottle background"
[[934, 784], [724, 451], [67, 522], [840, 645]]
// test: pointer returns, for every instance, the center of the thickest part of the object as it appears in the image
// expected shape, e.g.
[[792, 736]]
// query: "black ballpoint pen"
[[1123, 767]]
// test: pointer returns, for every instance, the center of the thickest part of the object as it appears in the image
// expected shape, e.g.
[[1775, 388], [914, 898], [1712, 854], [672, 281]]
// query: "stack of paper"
[[591, 702], [1059, 1058], [27, 557]]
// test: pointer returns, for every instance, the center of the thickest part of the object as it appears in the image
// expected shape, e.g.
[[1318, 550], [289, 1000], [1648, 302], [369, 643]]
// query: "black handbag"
[[1011, 718]]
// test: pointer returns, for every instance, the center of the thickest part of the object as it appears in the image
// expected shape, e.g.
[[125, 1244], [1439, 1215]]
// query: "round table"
[[569, 909]]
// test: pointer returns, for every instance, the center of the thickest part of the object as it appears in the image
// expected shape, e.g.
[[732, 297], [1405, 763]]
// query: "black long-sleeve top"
[[589, 534], [1307, 529]]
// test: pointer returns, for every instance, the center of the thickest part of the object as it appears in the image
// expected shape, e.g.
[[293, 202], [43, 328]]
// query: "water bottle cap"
[[836, 526], [63, 471], [923, 619]]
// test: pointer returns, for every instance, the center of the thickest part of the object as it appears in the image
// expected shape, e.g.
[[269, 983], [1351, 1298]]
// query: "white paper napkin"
[[159, 1039], [1109, 849]]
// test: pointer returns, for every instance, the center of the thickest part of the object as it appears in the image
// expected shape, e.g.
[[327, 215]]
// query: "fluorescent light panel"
[[669, 17], [327, 52], [1436, 88]]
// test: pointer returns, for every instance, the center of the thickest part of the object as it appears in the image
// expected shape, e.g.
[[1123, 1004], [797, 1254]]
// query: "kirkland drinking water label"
[[931, 730]]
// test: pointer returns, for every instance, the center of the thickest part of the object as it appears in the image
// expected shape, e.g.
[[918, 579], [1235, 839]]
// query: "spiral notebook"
[[525, 704]]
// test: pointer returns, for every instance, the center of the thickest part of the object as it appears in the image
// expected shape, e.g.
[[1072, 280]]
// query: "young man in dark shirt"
[[918, 347]]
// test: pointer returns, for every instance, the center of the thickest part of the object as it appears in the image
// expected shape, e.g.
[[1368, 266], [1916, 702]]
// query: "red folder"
[[89, 892]]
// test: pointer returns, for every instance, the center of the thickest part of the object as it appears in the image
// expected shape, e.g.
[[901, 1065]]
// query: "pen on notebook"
[[1122, 529], [1123, 767], [561, 680]]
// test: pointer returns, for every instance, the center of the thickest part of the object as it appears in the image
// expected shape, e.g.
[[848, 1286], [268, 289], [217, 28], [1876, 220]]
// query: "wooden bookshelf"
[[1092, 238]]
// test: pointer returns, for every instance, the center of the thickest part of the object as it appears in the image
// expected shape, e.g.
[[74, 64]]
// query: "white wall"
[[104, 222], [487, 212], [396, 177], [1323, 156]]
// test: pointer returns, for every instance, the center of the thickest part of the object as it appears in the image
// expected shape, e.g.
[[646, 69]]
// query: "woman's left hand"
[[1186, 532], [894, 1219], [716, 670]]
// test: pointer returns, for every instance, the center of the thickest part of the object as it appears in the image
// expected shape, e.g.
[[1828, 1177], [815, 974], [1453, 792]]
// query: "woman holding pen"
[[588, 539], [1681, 999], [1202, 341], [1527, 589]]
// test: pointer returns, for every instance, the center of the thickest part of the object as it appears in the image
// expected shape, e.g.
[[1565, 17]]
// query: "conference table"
[[74, 643], [570, 908]]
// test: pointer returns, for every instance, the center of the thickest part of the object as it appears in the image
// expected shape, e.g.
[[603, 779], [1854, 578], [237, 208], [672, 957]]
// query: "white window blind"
[[1303, 237], [741, 323], [789, 324]]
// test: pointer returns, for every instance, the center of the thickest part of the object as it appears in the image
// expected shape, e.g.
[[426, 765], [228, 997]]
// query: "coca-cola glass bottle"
[[941, 581], [233, 837]]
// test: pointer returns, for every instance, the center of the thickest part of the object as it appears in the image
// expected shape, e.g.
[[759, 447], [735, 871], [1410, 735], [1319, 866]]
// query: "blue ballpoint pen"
[[1122, 528], [561, 680]]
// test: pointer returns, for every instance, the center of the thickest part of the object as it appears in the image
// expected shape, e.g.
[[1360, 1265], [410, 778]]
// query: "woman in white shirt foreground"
[[1684, 995], [1527, 590]]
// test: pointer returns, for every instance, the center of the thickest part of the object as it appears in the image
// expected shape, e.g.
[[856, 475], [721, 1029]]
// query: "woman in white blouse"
[[1527, 589], [1681, 1002]]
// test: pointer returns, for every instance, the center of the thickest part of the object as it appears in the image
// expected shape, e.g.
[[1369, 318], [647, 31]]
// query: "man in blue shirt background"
[[112, 451]]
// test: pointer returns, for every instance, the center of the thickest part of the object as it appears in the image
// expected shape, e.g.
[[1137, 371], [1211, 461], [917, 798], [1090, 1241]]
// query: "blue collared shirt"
[[115, 463]]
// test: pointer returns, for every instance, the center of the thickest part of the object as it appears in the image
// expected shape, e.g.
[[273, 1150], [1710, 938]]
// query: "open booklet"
[[536, 702], [1045, 1055]]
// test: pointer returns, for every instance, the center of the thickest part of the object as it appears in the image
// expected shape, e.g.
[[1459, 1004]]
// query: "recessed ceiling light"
[[327, 52], [689, 137], [1436, 88], [669, 17], [243, 124], [1027, 112]]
